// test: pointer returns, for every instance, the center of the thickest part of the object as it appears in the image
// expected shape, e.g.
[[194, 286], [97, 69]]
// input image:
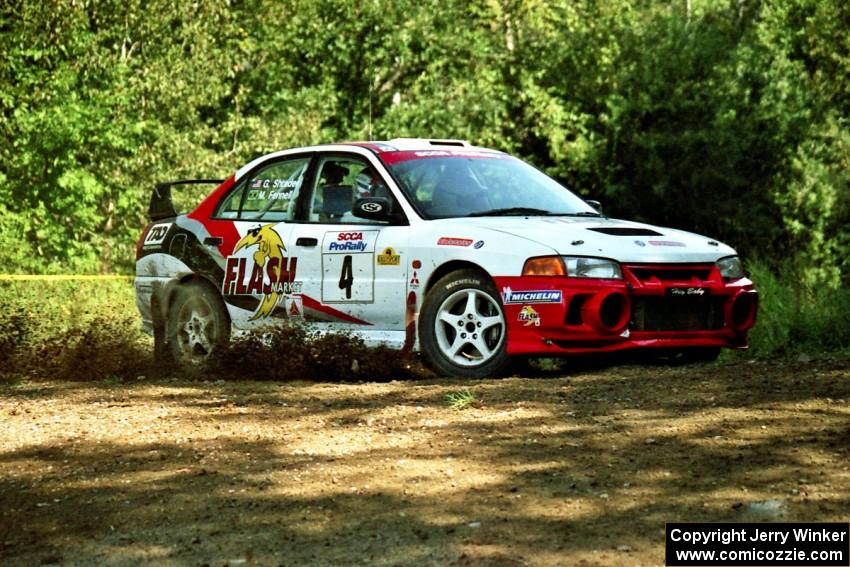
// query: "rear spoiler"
[[161, 206]]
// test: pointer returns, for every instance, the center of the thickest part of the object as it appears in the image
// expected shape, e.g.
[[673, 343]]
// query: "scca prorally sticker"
[[388, 257], [529, 316], [350, 242], [531, 296], [157, 233], [269, 271]]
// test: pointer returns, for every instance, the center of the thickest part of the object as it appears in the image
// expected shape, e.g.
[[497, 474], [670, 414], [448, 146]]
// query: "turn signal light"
[[544, 266]]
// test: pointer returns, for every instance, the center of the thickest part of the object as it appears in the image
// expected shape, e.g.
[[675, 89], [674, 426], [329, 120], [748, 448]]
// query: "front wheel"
[[197, 325], [462, 327]]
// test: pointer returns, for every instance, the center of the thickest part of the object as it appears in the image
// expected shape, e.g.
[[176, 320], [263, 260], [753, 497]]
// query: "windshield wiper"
[[581, 214], [509, 211]]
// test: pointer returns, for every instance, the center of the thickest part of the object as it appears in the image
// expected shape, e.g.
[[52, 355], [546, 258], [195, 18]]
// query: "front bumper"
[[653, 306]]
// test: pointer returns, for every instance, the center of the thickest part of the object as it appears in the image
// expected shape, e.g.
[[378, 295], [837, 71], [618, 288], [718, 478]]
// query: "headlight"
[[730, 267], [544, 266], [578, 267]]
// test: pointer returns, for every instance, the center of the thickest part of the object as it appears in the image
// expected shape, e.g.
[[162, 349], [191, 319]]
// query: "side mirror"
[[373, 208], [597, 206]]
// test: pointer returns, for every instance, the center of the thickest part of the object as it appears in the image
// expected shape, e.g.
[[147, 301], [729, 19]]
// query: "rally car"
[[466, 254]]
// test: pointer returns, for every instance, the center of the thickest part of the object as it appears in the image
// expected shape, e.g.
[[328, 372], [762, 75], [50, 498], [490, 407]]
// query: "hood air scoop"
[[626, 231]]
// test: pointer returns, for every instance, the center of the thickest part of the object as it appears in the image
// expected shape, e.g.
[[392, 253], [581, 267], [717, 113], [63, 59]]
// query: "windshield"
[[457, 184]]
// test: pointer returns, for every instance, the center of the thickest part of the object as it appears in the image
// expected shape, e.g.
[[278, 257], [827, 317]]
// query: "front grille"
[[685, 274], [677, 313]]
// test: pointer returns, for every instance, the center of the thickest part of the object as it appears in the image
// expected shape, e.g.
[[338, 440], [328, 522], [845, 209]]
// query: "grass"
[[72, 330], [89, 330], [795, 318], [462, 400]]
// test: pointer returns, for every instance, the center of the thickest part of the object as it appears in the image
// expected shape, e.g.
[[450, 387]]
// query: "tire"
[[198, 325], [462, 327]]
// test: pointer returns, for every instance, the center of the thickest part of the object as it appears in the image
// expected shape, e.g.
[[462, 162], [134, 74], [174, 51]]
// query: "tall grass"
[[798, 318], [72, 330], [86, 330], [89, 330]]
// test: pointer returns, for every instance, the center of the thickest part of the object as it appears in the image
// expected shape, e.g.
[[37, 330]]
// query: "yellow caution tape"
[[58, 277]]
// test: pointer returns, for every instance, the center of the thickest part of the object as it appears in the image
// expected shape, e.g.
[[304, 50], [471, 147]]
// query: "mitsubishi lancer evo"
[[465, 254]]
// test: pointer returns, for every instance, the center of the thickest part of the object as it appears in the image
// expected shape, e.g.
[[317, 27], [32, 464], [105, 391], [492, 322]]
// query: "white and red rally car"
[[466, 254]]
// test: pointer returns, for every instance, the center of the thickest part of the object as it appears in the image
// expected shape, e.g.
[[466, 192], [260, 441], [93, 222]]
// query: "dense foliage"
[[726, 118]]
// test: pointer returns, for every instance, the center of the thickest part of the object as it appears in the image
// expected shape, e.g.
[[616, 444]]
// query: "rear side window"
[[268, 194]]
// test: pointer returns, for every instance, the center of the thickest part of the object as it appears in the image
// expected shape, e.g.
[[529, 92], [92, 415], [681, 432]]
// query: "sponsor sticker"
[[665, 243], [529, 316], [687, 291], [414, 280], [478, 244], [451, 241], [350, 242], [531, 296], [157, 233], [294, 307], [268, 271], [371, 207], [388, 257]]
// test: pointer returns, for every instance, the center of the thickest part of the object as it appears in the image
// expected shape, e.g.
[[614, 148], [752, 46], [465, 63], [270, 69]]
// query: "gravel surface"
[[581, 468]]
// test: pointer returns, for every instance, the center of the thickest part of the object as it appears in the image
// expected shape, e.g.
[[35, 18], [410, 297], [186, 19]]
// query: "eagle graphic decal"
[[271, 272]]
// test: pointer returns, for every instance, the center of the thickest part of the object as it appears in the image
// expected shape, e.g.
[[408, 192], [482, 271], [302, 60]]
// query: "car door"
[[352, 271], [260, 269]]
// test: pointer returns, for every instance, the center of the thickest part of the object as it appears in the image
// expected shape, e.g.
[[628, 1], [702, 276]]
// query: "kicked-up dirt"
[[583, 468]]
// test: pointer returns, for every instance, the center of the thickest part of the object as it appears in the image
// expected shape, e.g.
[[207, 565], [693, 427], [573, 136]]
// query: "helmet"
[[367, 183], [334, 173]]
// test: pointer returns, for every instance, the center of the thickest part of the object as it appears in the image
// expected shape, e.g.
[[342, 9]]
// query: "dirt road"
[[583, 468]]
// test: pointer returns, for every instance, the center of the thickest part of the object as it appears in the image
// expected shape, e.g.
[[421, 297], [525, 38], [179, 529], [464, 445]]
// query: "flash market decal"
[[388, 257], [529, 316], [270, 272]]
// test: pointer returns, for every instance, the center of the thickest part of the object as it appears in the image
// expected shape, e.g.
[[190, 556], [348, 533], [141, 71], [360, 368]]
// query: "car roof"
[[379, 148], [418, 144]]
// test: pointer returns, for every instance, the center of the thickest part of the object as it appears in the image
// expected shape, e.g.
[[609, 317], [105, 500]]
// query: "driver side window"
[[269, 194], [339, 182]]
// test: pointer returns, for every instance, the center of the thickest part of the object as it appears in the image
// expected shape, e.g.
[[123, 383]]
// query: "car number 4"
[[346, 277]]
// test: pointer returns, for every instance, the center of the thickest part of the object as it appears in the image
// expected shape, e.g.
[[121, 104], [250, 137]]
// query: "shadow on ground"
[[547, 471]]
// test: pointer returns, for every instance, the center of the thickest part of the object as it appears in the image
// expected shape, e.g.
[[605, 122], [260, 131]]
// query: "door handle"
[[213, 241], [304, 241]]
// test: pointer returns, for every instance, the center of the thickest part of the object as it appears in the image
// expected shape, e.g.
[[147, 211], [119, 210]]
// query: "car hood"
[[624, 241]]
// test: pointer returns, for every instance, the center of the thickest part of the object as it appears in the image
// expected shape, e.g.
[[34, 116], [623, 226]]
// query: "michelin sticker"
[[531, 296]]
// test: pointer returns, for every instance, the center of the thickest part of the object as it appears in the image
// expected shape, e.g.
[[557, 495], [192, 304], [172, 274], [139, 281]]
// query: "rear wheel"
[[198, 324], [462, 327]]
